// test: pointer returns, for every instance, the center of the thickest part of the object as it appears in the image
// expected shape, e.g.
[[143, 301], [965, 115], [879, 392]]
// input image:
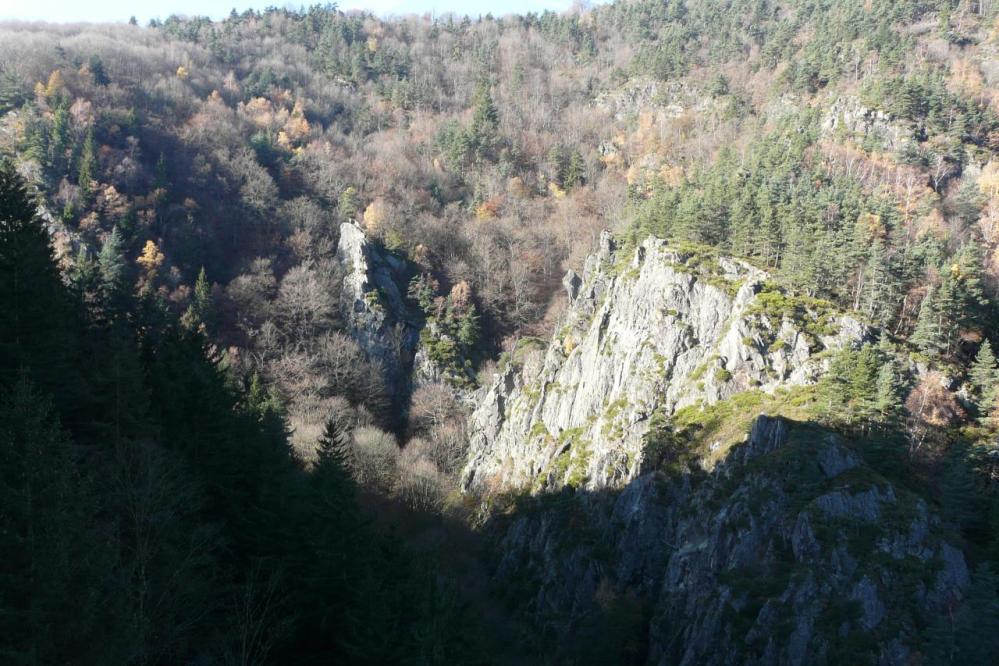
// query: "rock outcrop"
[[791, 551], [848, 115], [374, 309], [391, 330], [665, 329]]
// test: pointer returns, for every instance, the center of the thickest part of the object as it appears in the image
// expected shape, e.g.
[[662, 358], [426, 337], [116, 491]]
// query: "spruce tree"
[[575, 171], [111, 261], [957, 488], [890, 391], [984, 376], [468, 327], [331, 472], [11, 90], [485, 123], [928, 335], [201, 311], [88, 167], [55, 572], [60, 142], [977, 630], [39, 322]]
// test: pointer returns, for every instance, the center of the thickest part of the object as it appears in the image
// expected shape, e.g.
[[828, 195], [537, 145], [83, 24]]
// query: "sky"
[[120, 10]]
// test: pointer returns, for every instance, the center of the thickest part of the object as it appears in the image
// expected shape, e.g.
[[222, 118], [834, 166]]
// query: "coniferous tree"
[[978, 624], [60, 142], [575, 171], [483, 132], [52, 551], [928, 334], [200, 312], [957, 488], [890, 391], [88, 167], [39, 322], [11, 92], [111, 261], [882, 286], [984, 375]]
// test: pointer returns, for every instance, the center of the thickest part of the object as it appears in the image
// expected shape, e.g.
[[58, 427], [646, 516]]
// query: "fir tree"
[[111, 261], [332, 469], [485, 123]]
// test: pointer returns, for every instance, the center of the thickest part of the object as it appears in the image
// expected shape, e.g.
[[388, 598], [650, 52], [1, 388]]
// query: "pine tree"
[[348, 204]]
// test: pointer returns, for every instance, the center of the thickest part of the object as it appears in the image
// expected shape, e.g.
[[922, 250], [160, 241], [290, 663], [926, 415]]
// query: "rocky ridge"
[[668, 328]]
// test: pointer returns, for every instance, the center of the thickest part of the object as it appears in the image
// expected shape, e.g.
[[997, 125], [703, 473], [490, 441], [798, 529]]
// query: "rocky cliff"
[[659, 329], [386, 325], [782, 546], [791, 551], [374, 308]]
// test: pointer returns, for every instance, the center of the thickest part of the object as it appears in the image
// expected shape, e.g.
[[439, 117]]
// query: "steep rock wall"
[[664, 330]]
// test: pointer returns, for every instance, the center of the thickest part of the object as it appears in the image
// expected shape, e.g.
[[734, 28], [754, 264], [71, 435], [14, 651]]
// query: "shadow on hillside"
[[585, 568]]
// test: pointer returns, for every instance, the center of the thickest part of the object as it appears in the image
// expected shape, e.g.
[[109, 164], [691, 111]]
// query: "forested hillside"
[[275, 287]]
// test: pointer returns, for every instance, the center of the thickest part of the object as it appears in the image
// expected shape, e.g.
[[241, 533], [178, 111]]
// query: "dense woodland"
[[200, 465]]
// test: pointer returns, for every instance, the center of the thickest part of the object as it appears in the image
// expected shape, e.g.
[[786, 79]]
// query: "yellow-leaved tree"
[[151, 258]]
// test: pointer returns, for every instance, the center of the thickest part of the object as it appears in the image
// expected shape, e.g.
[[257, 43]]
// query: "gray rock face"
[[374, 308], [789, 550], [848, 115], [659, 332], [765, 560]]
